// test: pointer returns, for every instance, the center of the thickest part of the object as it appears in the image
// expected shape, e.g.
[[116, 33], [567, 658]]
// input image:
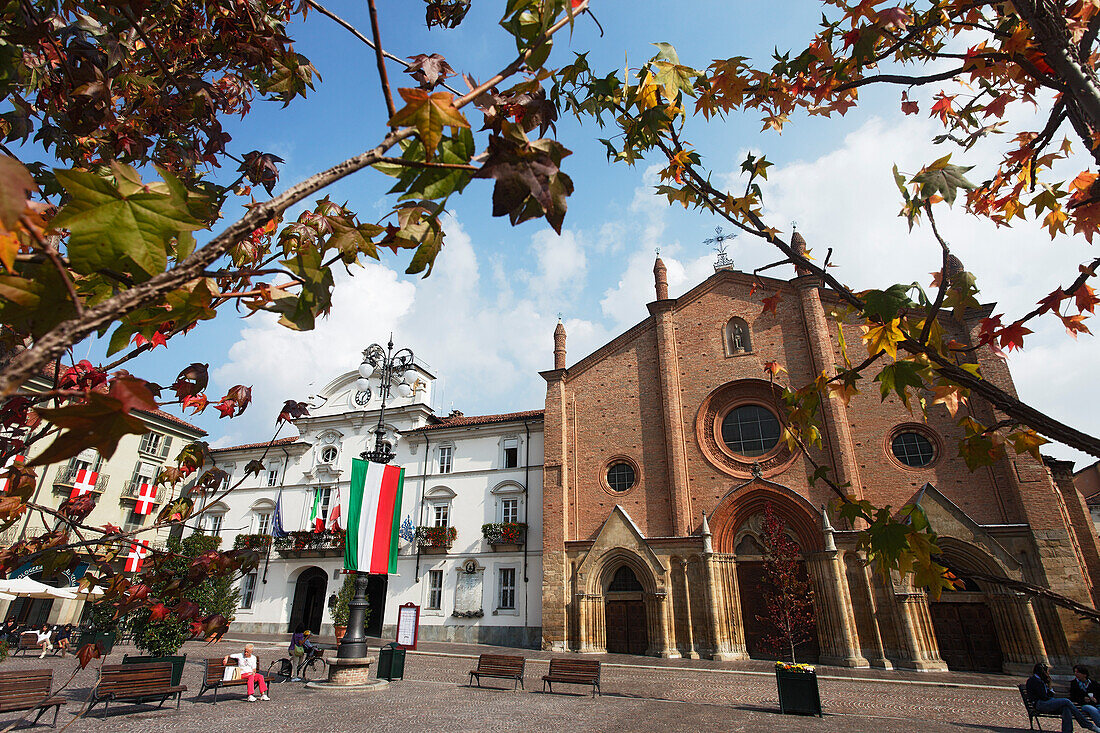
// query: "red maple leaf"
[[771, 302], [226, 408], [87, 653], [1053, 302], [987, 330], [1012, 335], [1075, 324], [158, 612], [910, 108], [198, 402], [942, 107], [1086, 299]]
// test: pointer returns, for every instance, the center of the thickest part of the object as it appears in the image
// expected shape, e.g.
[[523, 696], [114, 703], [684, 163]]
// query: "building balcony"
[[260, 542], [435, 540], [505, 536], [66, 478], [310, 544], [130, 491]]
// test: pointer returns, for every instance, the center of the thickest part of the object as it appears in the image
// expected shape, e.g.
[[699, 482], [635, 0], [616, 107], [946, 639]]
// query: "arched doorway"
[[965, 629], [309, 600], [625, 614]]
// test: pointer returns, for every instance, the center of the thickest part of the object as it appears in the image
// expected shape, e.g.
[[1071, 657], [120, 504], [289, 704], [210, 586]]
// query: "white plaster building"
[[461, 472]]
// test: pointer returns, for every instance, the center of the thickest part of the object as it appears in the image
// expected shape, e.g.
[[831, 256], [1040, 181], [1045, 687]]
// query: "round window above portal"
[[750, 430], [621, 476], [913, 449]]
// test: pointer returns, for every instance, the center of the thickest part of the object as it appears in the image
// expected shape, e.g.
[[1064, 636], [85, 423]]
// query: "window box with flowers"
[[259, 542], [505, 536], [435, 540], [310, 544]]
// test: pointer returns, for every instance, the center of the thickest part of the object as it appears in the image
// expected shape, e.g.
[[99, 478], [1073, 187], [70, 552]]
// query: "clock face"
[[362, 397]]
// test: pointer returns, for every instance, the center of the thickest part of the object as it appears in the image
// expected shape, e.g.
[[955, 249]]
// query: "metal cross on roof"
[[719, 241]]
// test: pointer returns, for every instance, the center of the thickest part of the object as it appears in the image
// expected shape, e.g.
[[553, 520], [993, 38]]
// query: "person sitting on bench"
[[1084, 692], [1041, 692], [44, 635], [247, 663]]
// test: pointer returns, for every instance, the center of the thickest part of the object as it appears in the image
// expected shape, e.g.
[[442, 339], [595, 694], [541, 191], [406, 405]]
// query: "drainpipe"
[[526, 512], [420, 511]]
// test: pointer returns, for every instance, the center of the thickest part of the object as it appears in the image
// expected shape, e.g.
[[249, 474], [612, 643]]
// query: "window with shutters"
[[435, 590], [511, 452], [155, 444], [214, 524], [133, 521], [144, 473]]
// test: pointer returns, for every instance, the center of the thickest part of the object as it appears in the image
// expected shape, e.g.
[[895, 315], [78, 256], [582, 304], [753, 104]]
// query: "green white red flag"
[[370, 514]]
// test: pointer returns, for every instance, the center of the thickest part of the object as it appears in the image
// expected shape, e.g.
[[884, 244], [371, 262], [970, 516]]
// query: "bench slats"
[[28, 690], [574, 672], [502, 666]]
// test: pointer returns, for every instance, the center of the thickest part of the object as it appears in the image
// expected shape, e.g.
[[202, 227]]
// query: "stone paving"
[[640, 694]]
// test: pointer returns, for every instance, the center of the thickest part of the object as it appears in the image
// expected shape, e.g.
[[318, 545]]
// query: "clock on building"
[[362, 397]]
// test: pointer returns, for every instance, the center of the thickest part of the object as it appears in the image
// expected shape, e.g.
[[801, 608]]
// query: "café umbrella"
[[28, 588]]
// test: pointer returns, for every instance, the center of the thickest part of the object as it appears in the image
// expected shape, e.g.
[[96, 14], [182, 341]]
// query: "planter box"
[[105, 639], [435, 549], [798, 693], [177, 664], [506, 547]]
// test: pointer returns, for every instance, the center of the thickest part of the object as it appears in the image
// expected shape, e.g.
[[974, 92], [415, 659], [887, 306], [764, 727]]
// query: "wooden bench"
[[573, 672], [215, 670], [29, 689], [1033, 715], [136, 683], [28, 641], [503, 666]]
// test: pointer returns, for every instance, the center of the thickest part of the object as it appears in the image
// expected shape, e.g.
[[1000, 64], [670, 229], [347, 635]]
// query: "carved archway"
[[747, 500]]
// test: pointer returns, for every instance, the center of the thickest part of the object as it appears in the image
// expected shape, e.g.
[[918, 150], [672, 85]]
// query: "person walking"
[[1084, 692], [1041, 692], [248, 664], [300, 646]]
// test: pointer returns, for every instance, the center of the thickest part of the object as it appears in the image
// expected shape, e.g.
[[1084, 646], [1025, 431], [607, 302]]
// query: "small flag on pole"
[[138, 551], [372, 517], [147, 494], [85, 482], [277, 523], [316, 515]]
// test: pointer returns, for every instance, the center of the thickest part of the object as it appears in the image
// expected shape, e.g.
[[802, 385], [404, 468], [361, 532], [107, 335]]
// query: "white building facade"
[[462, 475]]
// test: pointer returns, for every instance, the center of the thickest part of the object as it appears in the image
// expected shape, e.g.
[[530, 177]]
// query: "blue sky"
[[483, 320]]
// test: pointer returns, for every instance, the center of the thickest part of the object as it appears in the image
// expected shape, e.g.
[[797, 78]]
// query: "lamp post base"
[[349, 674]]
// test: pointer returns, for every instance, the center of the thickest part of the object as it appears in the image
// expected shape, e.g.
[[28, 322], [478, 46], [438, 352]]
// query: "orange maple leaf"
[[1075, 324], [771, 302], [1012, 336], [1085, 298]]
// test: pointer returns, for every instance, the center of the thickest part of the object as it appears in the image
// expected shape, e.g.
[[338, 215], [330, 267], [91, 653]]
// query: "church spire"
[[660, 278], [559, 346]]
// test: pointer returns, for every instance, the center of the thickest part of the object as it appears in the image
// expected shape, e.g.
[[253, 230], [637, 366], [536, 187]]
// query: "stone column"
[[729, 632], [690, 652], [916, 630], [835, 632], [1018, 632], [660, 640], [592, 629]]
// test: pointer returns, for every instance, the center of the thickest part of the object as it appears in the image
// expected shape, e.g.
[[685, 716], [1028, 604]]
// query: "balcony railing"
[[435, 539], [504, 536], [131, 491], [310, 544], [66, 477]]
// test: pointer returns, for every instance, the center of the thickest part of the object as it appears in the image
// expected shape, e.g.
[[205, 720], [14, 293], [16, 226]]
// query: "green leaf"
[[943, 178], [900, 376], [885, 305], [121, 227], [36, 300], [435, 183]]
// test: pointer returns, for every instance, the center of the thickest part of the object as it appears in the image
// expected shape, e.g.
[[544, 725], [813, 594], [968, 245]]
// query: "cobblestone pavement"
[[640, 694]]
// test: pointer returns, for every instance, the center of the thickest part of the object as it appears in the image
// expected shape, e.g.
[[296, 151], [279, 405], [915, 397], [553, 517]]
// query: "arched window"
[[624, 582], [749, 547], [737, 337]]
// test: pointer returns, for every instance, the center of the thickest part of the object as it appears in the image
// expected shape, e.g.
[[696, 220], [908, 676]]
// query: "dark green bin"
[[391, 662]]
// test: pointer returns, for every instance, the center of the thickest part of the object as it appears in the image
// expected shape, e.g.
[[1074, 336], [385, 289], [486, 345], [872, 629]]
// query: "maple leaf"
[[910, 108], [1085, 298], [896, 17], [772, 369], [528, 180], [883, 338], [100, 422], [88, 652], [944, 179], [1052, 302], [900, 377], [429, 114], [1075, 324], [158, 612], [292, 410], [1012, 336], [843, 390], [1027, 441], [16, 186], [261, 168], [226, 408], [771, 302], [196, 402], [948, 395], [942, 107], [429, 71]]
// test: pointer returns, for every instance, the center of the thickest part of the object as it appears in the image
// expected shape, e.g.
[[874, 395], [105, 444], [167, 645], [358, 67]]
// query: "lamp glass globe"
[[404, 390], [365, 369], [362, 384]]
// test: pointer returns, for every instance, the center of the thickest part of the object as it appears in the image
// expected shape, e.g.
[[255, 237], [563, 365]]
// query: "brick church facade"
[[662, 449]]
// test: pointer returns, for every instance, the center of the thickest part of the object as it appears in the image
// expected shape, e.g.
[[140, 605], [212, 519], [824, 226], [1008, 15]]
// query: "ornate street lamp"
[[393, 371]]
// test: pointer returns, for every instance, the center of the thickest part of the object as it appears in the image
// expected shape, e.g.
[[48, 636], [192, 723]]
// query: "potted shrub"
[[103, 629], [435, 539], [505, 536], [162, 638], [341, 611]]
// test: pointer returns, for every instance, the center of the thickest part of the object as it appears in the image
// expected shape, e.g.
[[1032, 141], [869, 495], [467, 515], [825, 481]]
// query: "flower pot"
[[506, 547], [340, 631], [798, 693]]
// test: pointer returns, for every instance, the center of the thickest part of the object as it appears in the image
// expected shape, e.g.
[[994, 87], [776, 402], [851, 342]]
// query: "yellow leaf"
[[884, 337], [9, 248], [949, 395], [429, 114]]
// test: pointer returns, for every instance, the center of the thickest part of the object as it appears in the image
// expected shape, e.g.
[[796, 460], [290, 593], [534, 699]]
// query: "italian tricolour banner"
[[371, 515]]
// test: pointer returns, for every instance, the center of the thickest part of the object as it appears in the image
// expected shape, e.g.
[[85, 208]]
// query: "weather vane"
[[719, 241]]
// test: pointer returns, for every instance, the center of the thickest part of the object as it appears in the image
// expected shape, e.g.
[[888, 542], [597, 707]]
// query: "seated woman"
[[249, 666], [63, 638], [1041, 692]]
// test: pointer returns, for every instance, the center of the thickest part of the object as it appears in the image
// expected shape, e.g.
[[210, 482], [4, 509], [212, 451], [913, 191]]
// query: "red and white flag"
[[147, 494], [85, 482], [333, 522], [138, 551]]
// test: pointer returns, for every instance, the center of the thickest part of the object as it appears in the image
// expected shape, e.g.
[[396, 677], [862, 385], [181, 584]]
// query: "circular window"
[[913, 449], [620, 476], [328, 455], [750, 430]]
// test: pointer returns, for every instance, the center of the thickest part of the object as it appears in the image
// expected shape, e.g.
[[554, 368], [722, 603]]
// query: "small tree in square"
[[788, 597]]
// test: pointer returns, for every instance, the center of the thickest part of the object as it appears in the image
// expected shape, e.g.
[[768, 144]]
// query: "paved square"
[[640, 694]]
